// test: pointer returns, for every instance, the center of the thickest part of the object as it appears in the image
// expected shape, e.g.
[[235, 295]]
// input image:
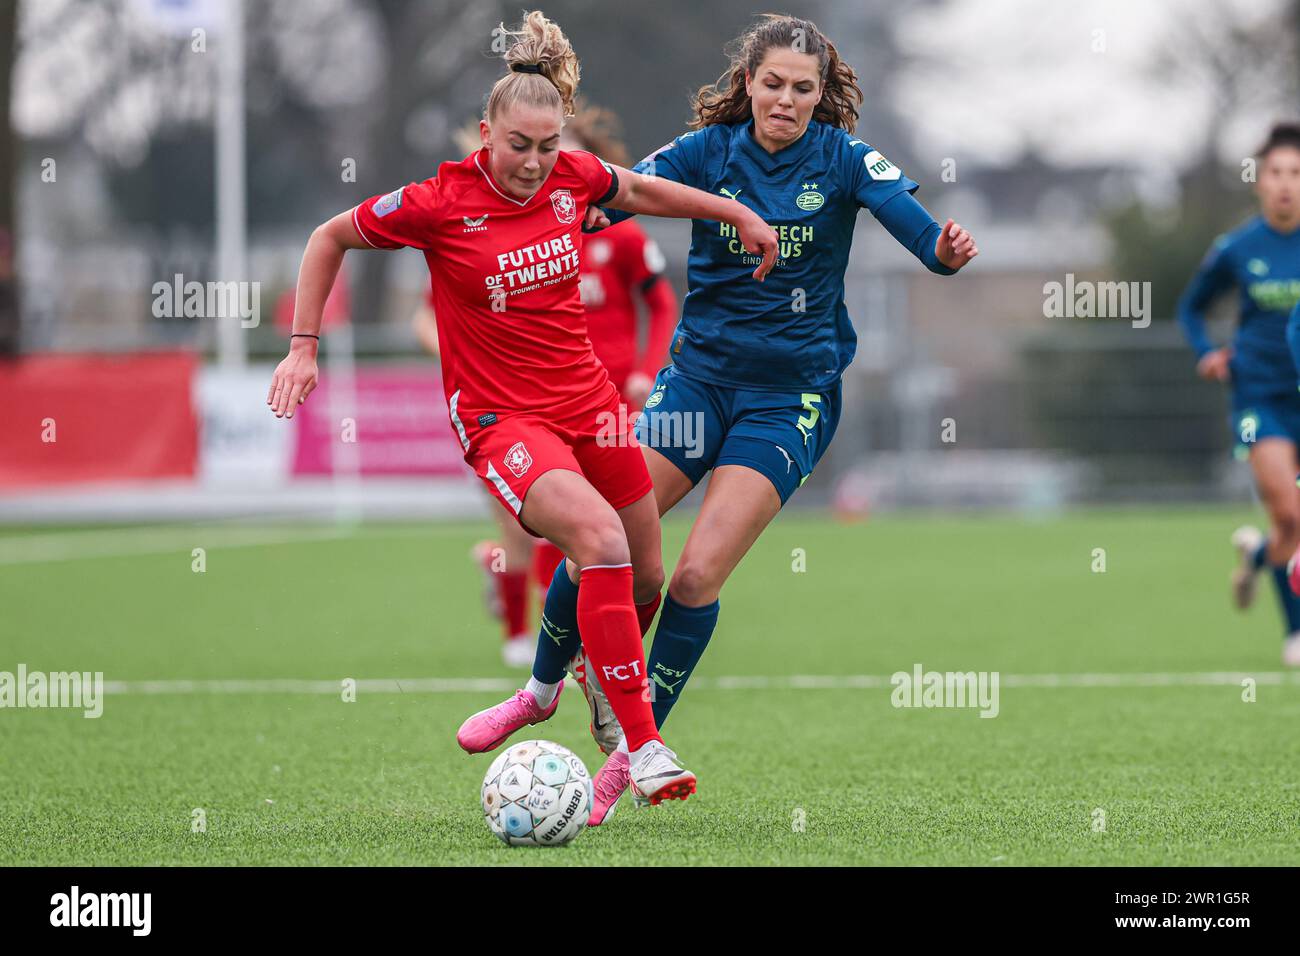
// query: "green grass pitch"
[[1185, 773]]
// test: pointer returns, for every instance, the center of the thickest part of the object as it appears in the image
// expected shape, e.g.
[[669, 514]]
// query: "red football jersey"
[[615, 262], [505, 275]]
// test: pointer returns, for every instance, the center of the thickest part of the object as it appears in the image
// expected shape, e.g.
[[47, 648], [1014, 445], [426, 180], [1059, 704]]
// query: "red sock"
[[545, 557], [608, 625], [513, 588], [645, 613]]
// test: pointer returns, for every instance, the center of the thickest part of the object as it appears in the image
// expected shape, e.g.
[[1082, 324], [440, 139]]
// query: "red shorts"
[[514, 449]]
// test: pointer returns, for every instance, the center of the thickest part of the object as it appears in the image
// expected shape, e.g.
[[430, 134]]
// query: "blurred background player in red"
[[620, 265]]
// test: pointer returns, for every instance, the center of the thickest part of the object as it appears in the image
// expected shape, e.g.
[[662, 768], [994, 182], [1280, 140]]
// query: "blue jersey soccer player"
[[753, 393], [1261, 260]]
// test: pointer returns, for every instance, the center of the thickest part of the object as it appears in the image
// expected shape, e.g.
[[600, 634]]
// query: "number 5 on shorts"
[[806, 422]]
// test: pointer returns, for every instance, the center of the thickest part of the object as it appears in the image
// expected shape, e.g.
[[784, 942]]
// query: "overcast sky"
[[1024, 73]]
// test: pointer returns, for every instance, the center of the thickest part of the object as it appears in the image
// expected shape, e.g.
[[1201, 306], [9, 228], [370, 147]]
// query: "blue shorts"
[[1256, 416], [699, 426]]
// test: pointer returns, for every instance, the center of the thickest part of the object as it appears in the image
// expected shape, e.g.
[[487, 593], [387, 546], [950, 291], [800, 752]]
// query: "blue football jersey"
[[792, 330], [1264, 266]]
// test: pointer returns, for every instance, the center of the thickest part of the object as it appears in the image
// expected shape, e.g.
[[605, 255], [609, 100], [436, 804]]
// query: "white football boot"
[[657, 777]]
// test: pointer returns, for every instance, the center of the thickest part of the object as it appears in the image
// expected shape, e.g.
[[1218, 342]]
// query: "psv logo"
[[566, 210], [518, 460]]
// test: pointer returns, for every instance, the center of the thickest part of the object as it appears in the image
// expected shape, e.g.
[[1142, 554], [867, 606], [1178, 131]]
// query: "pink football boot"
[[610, 782], [488, 729]]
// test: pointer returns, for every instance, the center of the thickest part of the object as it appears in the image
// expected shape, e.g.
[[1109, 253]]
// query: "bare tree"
[[434, 54]]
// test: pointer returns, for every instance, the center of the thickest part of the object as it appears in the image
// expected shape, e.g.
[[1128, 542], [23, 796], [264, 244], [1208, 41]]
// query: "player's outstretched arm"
[[295, 376], [941, 249], [656, 196]]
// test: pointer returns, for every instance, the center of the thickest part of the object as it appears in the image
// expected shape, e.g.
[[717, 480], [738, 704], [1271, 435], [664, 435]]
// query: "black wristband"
[[304, 335]]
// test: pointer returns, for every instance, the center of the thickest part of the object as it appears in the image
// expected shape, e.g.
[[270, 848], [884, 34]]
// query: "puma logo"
[[660, 681], [554, 632], [789, 462], [728, 193]]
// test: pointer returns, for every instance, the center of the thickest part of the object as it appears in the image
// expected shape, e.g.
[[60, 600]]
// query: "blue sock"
[[1290, 602], [1260, 558], [680, 639], [558, 638]]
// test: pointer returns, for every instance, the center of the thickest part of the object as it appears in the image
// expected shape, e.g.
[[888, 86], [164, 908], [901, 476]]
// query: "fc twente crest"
[[518, 460], [566, 210]]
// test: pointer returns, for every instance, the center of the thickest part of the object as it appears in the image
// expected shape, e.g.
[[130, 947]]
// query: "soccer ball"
[[537, 793]]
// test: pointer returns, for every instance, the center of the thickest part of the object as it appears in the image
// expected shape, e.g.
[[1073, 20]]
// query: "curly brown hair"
[[726, 100]]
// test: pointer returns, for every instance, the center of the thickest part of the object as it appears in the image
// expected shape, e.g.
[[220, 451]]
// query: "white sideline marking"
[[459, 685], [289, 685]]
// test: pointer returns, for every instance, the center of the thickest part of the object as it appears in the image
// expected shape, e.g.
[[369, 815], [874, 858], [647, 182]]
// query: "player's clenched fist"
[[294, 378], [955, 246], [760, 238]]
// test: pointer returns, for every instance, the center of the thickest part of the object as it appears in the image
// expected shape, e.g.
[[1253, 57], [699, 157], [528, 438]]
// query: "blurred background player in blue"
[[1261, 260]]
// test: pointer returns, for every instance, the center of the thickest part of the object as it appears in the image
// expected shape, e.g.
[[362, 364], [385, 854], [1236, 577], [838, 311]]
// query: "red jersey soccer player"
[[619, 266], [527, 398]]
